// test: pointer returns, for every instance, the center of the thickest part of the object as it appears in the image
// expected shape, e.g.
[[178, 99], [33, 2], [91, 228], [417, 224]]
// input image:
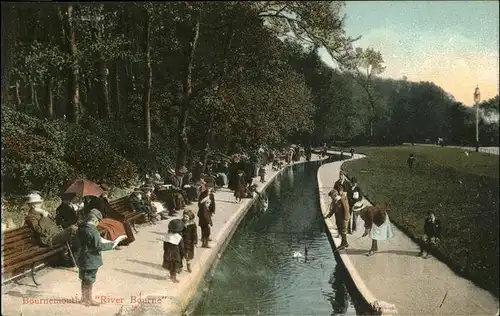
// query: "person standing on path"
[[352, 152], [354, 197], [173, 249], [189, 236], [340, 208], [432, 233], [240, 186], [342, 182], [377, 224], [89, 257], [205, 220]]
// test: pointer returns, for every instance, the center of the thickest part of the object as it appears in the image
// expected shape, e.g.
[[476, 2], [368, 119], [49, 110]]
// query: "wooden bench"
[[122, 210], [21, 251]]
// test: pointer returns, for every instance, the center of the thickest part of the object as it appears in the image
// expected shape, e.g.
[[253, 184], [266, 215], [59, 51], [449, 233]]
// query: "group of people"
[[348, 203], [76, 227]]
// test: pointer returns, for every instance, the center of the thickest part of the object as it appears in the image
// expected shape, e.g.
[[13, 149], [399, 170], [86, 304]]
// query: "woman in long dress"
[[377, 224], [240, 187]]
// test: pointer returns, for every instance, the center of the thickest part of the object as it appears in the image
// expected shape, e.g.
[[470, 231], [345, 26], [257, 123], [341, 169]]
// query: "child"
[[432, 233], [410, 161], [262, 174], [173, 248], [189, 236], [205, 221]]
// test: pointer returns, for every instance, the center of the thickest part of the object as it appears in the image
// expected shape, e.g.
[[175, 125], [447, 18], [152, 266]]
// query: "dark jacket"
[[65, 215], [346, 185], [432, 229], [90, 245], [44, 228]]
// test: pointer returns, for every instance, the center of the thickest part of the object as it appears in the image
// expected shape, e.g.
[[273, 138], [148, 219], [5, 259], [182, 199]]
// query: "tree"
[[148, 78], [68, 43]]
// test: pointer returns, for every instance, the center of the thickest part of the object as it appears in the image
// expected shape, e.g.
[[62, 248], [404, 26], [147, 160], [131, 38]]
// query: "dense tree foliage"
[[162, 84]]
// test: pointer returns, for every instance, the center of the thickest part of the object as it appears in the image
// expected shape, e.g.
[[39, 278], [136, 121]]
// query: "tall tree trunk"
[[103, 76], [50, 99], [69, 45], [208, 141], [18, 94], [9, 35], [35, 97], [115, 82], [182, 140], [148, 81]]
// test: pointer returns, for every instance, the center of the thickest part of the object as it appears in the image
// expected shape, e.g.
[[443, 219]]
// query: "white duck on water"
[[298, 254]]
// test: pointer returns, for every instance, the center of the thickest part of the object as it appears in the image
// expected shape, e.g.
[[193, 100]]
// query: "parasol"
[[83, 188]]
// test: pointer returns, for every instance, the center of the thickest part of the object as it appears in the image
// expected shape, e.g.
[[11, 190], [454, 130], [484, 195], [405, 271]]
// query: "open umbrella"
[[83, 188]]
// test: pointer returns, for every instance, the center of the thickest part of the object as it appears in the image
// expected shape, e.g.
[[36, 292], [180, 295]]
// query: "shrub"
[[88, 152], [45, 155]]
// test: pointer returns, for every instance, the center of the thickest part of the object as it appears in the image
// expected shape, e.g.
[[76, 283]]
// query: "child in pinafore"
[[173, 248], [262, 174], [189, 236]]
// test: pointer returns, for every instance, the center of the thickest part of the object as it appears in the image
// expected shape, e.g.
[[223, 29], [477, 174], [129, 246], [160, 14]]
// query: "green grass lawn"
[[462, 190]]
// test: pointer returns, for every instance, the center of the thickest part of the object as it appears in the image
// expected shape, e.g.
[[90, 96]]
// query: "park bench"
[[122, 210], [22, 252]]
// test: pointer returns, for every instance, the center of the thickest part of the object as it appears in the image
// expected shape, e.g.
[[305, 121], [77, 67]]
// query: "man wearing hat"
[[89, 257], [44, 227], [342, 181]]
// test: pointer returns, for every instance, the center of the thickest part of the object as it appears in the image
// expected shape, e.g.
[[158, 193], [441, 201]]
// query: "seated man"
[[142, 205], [45, 229]]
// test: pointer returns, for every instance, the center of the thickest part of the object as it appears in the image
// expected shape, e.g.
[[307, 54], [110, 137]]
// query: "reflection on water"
[[258, 274]]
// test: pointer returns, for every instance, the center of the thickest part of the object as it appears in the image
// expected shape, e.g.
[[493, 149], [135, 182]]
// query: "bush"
[[45, 155], [101, 163], [127, 140]]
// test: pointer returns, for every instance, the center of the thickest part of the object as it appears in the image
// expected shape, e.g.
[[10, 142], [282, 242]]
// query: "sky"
[[451, 43]]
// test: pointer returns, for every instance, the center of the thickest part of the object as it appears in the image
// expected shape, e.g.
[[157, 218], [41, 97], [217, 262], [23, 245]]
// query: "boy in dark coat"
[[339, 207], [205, 220], [432, 233], [173, 248], [189, 236], [89, 257]]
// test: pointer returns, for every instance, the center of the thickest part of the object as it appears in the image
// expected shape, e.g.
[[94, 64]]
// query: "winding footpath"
[[132, 280], [395, 274]]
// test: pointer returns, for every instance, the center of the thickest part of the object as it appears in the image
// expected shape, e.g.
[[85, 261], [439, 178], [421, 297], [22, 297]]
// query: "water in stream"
[[257, 274]]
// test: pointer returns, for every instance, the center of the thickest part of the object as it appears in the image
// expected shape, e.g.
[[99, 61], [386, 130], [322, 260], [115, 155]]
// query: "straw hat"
[[34, 198], [358, 206]]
